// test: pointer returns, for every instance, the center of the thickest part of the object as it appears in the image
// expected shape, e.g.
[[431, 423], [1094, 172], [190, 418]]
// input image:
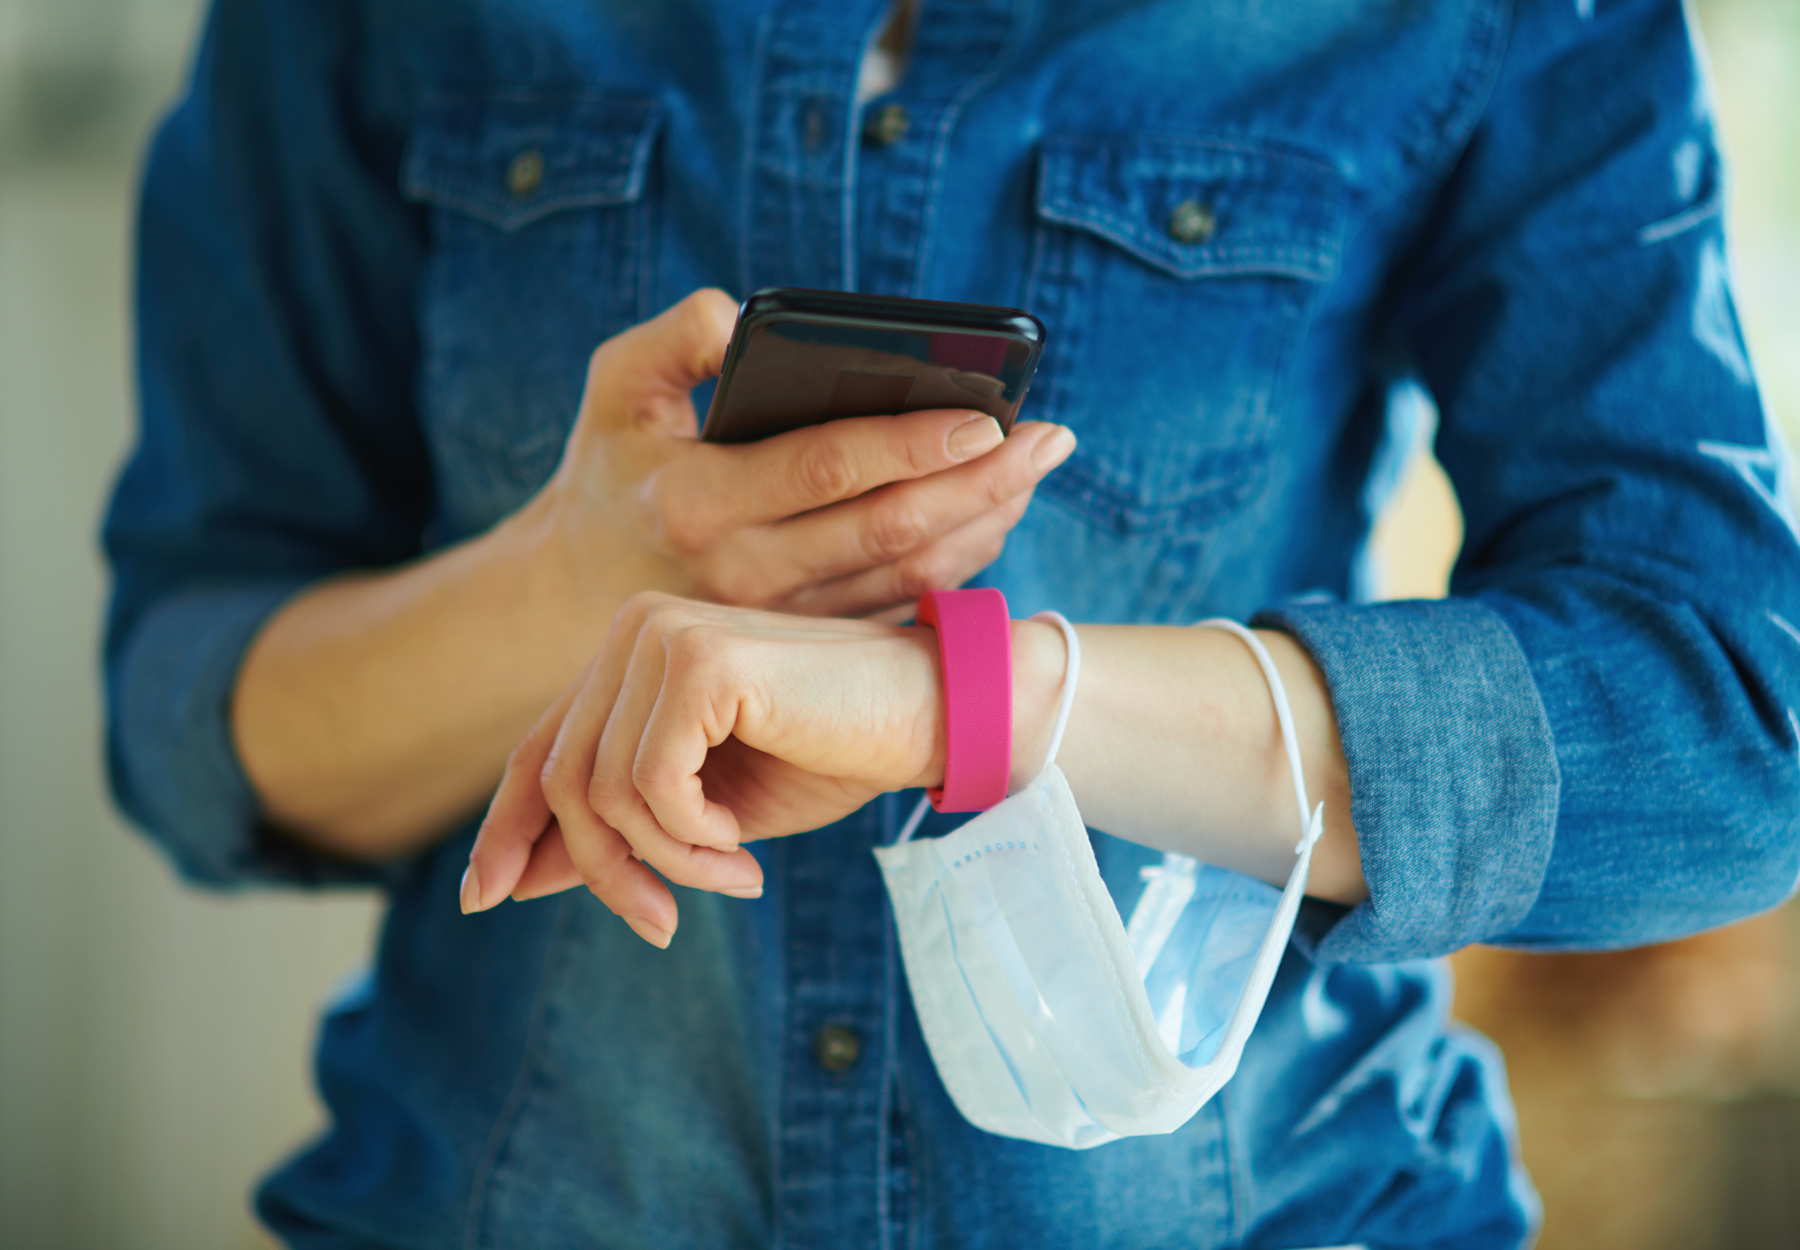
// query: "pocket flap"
[[1198, 207], [510, 160]]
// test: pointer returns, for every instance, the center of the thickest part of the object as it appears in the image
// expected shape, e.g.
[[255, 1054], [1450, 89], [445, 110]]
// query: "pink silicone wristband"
[[975, 647]]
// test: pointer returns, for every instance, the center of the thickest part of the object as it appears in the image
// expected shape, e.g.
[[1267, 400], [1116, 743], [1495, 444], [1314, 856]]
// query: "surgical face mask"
[[1050, 1018]]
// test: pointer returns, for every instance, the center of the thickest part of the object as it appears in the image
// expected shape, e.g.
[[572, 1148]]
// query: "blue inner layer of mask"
[[1195, 980]]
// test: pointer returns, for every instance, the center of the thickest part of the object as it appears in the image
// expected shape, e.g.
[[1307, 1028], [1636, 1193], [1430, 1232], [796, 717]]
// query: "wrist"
[[568, 610], [1040, 659], [920, 649]]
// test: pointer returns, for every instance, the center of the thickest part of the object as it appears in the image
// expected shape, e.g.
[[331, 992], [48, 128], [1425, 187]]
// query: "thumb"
[[643, 376]]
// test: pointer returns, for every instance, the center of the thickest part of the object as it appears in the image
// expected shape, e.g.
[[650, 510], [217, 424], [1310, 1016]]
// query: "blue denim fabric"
[[358, 344]]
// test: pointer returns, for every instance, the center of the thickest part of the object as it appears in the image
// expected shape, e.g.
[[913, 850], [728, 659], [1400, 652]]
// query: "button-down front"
[[836, 1048], [1258, 238], [887, 125]]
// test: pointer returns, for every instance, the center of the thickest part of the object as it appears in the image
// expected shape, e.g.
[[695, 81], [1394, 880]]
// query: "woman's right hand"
[[848, 518]]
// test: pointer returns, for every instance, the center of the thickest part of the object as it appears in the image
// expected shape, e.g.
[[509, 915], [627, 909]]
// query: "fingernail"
[[1052, 449], [974, 437], [471, 889], [744, 891], [654, 934]]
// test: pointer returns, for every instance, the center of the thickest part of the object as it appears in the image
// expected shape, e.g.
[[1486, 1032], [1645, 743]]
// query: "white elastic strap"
[[1284, 715], [1071, 675], [912, 822]]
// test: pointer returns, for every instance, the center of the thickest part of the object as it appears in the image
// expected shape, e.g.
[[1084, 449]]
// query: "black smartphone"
[[800, 357]]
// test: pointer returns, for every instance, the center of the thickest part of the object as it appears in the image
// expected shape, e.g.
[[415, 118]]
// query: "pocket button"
[[526, 173], [1192, 222]]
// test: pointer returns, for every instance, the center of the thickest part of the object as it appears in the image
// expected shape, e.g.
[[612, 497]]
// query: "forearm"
[[375, 710], [1173, 743]]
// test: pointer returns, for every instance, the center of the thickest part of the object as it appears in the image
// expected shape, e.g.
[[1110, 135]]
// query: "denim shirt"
[[1273, 246]]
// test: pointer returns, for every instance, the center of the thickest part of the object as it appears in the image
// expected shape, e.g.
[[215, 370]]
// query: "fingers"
[[600, 854], [605, 862], [521, 850], [516, 818], [717, 490], [607, 828], [550, 871], [948, 562], [570, 786], [893, 522], [758, 566], [945, 559], [692, 718], [684, 725], [704, 853]]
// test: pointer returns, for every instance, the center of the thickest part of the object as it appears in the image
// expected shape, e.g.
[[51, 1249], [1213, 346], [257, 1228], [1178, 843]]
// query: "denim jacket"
[[1271, 245]]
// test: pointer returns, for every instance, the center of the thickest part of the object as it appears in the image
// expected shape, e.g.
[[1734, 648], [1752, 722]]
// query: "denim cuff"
[[173, 762], [1453, 774]]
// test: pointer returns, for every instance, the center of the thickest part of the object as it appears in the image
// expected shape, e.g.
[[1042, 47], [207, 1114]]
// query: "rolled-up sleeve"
[[278, 446], [1594, 741], [1453, 854]]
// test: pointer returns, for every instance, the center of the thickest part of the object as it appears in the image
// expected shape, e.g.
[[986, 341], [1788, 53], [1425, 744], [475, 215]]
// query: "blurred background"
[[154, 1041]]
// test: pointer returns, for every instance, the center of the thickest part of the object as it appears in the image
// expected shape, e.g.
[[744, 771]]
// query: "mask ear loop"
[[1071, 675], [1311, 818]]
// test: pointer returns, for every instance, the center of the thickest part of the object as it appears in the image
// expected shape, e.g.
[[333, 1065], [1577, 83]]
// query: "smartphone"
[[800, 357]]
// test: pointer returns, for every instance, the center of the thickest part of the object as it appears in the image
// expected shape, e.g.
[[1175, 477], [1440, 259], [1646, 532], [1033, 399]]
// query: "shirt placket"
[[842, 1175], [797, 231], [958, 47], [798, 157], [831, 1170]]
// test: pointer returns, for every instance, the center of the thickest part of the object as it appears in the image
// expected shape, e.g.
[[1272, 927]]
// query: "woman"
[[375, 528]]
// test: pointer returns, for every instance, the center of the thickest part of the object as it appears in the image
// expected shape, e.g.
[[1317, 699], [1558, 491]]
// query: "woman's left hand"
[[699, 727]]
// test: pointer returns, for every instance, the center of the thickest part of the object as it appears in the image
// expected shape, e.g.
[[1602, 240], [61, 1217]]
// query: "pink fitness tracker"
[[974, 635]]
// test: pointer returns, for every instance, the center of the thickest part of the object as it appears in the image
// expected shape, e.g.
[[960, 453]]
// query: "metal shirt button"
[[526, 173], [837, 1048], [1192, 222], [887, 125]]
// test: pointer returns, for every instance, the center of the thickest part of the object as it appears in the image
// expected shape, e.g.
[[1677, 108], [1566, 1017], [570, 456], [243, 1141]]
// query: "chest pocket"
[[1174, 274], [540, 248]]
